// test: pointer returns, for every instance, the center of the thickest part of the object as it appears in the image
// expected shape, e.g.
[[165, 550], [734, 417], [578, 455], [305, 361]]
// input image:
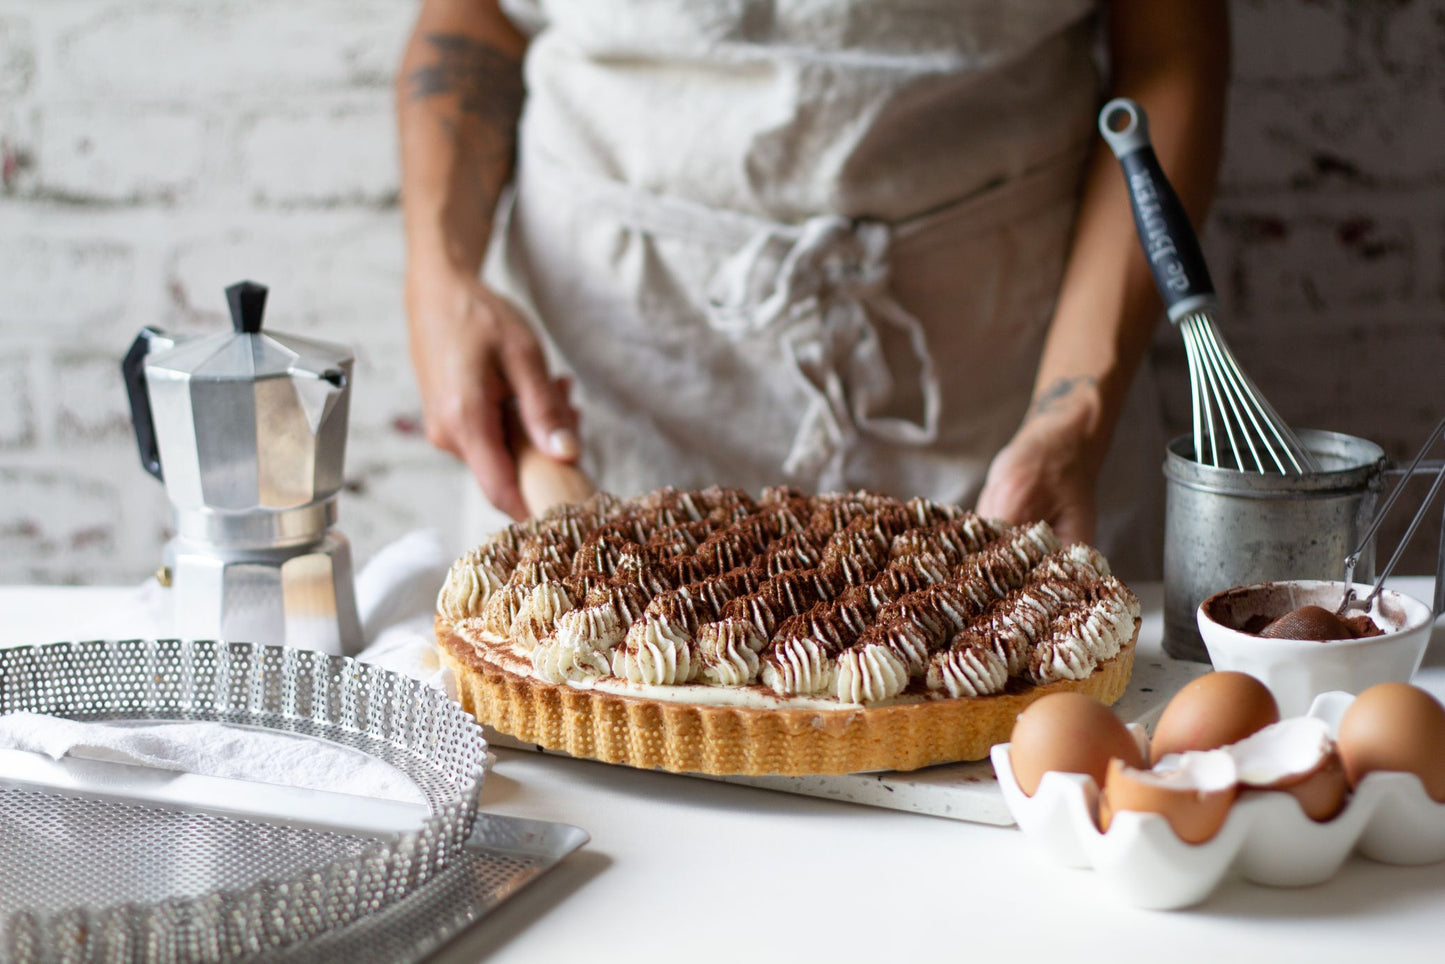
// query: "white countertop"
[[687, 869]]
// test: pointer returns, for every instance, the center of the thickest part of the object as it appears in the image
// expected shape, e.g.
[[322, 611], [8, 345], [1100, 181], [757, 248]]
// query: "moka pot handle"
[[133, 369]]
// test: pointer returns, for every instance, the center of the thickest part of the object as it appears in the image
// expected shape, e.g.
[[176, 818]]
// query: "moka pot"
[[247, 429]]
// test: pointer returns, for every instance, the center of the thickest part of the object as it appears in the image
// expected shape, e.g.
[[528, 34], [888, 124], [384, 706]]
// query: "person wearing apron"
[[862, 244]]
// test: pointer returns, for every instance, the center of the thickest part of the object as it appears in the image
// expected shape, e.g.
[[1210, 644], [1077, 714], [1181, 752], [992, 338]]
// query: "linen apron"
[[812, 243]]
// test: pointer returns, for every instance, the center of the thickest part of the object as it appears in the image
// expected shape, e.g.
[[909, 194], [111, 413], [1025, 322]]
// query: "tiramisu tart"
[[709, 632]]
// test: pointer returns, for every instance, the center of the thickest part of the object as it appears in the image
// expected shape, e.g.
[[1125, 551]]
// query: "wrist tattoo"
[[487, 82], [1059, 389]]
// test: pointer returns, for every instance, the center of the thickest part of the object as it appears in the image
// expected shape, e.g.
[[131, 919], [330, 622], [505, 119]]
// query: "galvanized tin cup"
[[1224, 527]]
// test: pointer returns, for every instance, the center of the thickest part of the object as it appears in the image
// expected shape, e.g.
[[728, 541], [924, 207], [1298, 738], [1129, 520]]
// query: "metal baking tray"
[[502, 856]]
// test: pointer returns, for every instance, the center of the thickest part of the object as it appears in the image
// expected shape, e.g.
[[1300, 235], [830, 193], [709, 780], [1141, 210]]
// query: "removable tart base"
[[749, 741]]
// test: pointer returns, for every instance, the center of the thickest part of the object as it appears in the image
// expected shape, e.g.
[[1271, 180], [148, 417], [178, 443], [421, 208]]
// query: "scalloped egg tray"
[[1267, 839]]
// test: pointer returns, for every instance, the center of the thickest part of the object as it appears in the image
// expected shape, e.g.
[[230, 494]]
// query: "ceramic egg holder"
[[1266, 838]]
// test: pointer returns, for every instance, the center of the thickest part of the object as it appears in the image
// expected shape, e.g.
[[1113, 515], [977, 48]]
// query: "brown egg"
[[1195, 797], [1395, 727], [1213, 711], [1072, 733]]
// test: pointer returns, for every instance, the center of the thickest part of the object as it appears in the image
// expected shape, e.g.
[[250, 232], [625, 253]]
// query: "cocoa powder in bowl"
[[1287, 611]]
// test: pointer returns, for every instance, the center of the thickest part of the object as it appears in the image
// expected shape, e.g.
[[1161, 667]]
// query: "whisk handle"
[[1170, 245]]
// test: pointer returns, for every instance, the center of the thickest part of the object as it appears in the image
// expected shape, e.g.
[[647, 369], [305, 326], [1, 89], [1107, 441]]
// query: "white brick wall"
[[151, 153], [17, 56], [147, 155], [320, 155]]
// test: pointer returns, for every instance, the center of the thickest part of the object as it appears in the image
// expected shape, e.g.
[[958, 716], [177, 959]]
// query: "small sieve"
[[85, 879]]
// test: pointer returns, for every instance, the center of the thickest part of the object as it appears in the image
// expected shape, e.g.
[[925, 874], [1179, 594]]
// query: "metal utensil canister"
[[1224, 527]]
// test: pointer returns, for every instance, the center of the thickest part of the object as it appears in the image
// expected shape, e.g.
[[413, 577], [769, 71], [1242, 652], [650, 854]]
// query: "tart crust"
[[751, 741]]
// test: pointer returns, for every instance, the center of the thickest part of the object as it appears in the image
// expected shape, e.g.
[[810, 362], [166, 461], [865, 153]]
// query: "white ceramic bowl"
[[1295, 670]]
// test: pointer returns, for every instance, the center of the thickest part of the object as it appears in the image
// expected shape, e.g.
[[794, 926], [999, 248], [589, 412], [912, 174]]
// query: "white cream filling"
[[535, 618], [502, 608], [931, 567], [802, 682], [1115, 627], [980, 590], [1097, 633], [728, 652], [565, 658], [1012, 636], [507, 655], [1026, 622], [1127, 602], [1086, 555], [1033, 542], [972, 671], [1061, 658], [798, 666], [597, 626], [954, 616], [468, 586], [998, 573], [655, 652], [909, 643], [869, 673]]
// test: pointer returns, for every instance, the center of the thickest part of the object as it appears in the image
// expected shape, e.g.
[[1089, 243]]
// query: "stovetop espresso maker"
[[247, 429]]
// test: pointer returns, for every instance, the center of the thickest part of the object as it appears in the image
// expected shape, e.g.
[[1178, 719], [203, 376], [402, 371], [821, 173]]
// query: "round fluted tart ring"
[[750, 741]]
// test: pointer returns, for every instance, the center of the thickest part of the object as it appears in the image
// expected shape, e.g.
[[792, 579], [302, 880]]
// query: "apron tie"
[[823, 286]]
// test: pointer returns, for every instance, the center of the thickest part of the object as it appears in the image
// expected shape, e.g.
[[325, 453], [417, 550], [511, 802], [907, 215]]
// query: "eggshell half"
[[1194, 797], [1295, 756], [1322, 794]]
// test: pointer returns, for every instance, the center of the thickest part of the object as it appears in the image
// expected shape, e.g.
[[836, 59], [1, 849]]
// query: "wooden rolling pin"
[[544, 481]]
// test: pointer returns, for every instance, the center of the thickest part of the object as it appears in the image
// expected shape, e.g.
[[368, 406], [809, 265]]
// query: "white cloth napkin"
[[396, 596], [212, 749]]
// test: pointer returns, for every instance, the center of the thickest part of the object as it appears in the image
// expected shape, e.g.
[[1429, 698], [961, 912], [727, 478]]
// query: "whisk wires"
[[1226, 401]]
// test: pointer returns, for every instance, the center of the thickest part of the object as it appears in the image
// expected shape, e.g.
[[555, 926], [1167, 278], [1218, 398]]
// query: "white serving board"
[[957, 791]]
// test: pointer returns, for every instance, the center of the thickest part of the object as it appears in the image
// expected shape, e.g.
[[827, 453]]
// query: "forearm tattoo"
[[486, 82], [1059, 389]]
